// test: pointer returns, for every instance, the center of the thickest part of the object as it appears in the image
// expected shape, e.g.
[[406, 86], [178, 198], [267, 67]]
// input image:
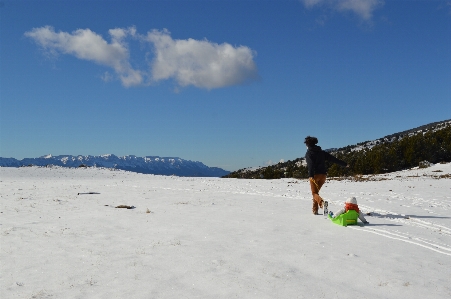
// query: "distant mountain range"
[[149, 164]]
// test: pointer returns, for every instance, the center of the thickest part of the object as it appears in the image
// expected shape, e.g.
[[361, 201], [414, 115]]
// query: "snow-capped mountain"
[[148, 164]]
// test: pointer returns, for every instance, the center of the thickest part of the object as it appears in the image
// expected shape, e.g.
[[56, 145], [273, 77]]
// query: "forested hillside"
[[391, 153]]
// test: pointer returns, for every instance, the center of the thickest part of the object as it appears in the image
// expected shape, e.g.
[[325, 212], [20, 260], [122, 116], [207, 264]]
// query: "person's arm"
[[362, 218], [331, 158], [309, 161], [339, 212]]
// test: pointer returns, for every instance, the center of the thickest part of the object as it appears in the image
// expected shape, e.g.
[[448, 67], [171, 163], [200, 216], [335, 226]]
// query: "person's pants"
[[315, 184]]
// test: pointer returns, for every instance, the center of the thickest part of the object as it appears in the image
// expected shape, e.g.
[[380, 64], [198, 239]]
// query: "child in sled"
[[350, 204]]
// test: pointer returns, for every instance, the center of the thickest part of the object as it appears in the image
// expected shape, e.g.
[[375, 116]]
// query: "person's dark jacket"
[[316, 159]]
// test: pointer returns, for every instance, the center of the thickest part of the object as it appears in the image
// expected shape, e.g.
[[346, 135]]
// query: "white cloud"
[[87, 45], [362, 8], [311, 3], [199, 62], [189, 62], [106, 77]]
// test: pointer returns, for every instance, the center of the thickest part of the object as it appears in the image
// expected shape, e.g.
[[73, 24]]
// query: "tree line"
[[387, 156]]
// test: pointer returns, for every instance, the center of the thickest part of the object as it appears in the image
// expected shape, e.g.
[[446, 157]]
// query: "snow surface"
[[220, 238]]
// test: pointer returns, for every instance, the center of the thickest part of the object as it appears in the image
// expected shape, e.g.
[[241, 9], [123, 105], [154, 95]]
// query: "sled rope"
[[314, 182]]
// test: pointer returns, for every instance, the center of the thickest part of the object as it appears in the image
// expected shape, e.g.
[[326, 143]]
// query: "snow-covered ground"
[[221, 238]]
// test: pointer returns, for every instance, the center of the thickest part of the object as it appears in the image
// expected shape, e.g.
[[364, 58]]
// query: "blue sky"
[[232, 84]]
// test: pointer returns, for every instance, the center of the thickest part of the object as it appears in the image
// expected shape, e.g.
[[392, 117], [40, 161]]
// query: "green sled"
[[345, 219]]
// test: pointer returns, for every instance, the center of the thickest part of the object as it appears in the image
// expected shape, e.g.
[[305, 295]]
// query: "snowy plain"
[[221, 238]]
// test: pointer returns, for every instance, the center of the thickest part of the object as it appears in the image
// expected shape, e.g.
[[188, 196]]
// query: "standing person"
[[316, 159]]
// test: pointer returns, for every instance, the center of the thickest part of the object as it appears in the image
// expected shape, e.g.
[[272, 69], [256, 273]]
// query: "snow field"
[[220, 238]]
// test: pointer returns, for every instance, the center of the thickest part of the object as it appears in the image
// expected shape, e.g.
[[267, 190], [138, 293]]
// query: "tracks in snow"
[[440, 248]]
